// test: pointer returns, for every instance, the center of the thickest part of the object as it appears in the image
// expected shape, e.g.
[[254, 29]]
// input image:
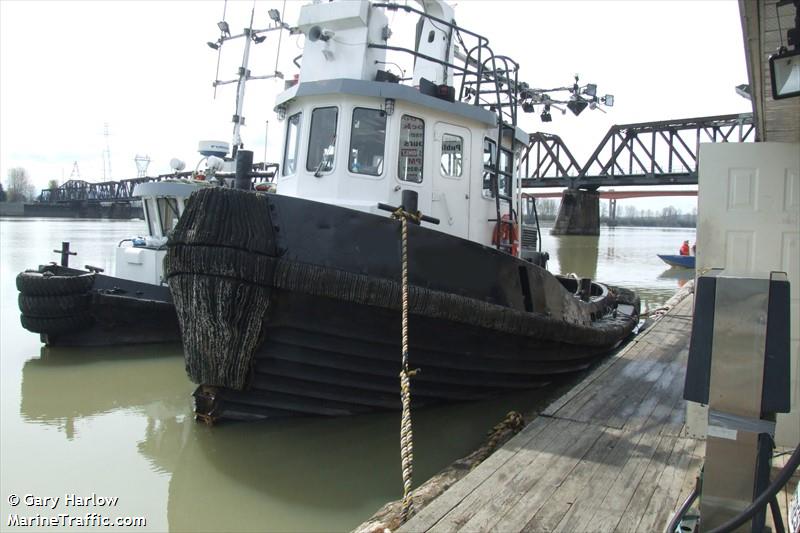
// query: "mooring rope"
[[406, 432]]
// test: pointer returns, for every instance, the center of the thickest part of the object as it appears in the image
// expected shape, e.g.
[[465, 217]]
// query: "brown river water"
[[117, 422]]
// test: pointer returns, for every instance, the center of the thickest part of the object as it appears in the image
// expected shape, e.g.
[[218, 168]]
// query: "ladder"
[[494, 87]]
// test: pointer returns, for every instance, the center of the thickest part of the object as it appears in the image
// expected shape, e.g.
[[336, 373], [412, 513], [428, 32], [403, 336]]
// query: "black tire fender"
[[47, 284], [56, 325], [62, 305]]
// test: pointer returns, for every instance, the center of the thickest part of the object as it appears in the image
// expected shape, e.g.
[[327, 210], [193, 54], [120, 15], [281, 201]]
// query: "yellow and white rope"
[[406, 432]]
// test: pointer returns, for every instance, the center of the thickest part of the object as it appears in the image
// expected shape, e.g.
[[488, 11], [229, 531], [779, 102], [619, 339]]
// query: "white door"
[[749, 222], [451, 159]]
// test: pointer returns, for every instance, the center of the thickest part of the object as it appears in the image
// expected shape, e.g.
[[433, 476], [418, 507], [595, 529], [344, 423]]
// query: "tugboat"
[[74, 307], [289, 303]]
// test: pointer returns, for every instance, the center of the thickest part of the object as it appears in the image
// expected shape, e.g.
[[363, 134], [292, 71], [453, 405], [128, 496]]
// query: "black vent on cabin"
[[385, 75], [443, 92]]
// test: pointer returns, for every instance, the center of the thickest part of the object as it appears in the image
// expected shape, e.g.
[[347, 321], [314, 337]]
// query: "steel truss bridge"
[[80, 191], [648, 153]]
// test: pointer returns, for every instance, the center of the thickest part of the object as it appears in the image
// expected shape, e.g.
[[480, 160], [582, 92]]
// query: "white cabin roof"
[[382, 89]]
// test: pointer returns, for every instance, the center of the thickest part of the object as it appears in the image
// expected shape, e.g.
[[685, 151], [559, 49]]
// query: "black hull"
[[102, 310], [292, 307]]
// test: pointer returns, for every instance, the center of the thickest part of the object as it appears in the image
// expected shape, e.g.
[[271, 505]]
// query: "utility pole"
[[106, 155]]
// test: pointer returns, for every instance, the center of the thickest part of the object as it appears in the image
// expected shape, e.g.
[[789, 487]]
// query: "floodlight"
[[577, 105], [258, 39], [743, 90], [214, 163], [591, 89], [527, 107], [784, 69], [609, 100], [215, 46], [224, 28], [546, 116], [275, 15]]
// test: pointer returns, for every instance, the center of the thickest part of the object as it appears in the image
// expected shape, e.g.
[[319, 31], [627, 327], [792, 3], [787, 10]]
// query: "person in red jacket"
[[685, 248]]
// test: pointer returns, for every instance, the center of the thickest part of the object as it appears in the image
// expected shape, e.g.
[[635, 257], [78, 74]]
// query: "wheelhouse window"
[[452, 161], [291, 145], [367, 141], [506, 171], [412, 144], [168, 212], [150, 214], [322, 140], [489, 155]]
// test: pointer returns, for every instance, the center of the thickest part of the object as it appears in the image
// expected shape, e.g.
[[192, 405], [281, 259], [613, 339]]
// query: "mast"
[[251, 36], [238, 119]]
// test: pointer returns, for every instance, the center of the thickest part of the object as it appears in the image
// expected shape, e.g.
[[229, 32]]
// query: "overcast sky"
[[68, 67]]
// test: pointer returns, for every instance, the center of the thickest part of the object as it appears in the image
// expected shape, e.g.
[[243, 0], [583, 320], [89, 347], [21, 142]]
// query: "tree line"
[[627, 215], [19, 186]]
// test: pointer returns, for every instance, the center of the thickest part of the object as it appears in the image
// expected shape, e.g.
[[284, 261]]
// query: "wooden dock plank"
[[529, 487], [584, 406], [656, 515], [609, 455], [657, 408], [557, 505], [600, 377], [639, 367], [628, 391], [647, 485], [605, 512], [598, 372], [463, 510], [430, 515], [598, 484]]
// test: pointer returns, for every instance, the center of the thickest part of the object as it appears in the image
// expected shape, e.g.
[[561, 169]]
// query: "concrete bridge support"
[[579, 213], [612, 211]]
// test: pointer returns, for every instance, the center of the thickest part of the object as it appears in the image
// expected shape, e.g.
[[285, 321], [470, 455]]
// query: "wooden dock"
[[610, 455]]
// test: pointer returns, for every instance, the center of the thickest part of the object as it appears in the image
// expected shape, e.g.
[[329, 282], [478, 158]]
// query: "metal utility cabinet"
[[738, 366]]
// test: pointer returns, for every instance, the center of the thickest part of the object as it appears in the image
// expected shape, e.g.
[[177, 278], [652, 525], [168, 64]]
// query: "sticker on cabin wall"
[[412, 142], [722, 433], [451, 147]]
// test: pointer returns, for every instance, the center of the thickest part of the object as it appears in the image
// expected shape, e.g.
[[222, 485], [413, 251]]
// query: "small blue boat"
[[685, 261]]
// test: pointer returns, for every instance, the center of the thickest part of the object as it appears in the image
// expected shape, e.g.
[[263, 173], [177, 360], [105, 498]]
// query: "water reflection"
[[311, 474], [577, 254], [66, 384], [317, 472], [680, 275]]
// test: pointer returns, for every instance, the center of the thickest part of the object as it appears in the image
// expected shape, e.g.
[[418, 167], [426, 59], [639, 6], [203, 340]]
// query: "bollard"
[[65, 253], [244, 165], [585, 289], [409, 201]]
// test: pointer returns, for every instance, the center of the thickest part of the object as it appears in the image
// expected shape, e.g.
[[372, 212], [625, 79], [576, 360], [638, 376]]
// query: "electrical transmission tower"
[[76, 173], [106, 155], [142, 162]]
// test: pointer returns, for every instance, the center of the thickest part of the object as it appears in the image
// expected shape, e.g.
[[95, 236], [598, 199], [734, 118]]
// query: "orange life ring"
[[508, 234]]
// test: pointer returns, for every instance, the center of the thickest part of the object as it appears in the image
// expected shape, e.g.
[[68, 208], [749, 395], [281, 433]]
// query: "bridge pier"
[[612, 211], [579, 213]]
